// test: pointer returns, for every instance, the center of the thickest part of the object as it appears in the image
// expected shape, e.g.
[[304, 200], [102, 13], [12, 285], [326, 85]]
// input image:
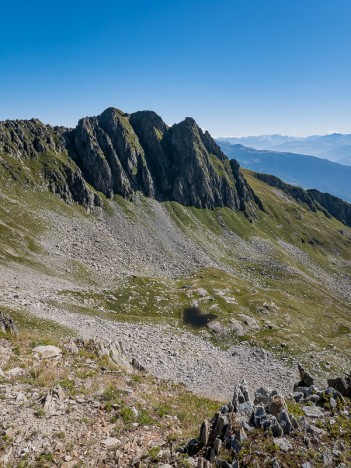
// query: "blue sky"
[[238, 67]]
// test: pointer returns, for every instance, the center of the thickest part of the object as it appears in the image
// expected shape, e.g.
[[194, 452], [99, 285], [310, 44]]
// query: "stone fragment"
[[217, 444], [15, 372], [262, 396], [276, 428], [283, 444], [7, 324], [298, 396], [246, 408], [313, 411], [327, 457], [204, 432], [110, 442], [258, 414], [240, 434], [306, 380], [48, 352], [285, 422]]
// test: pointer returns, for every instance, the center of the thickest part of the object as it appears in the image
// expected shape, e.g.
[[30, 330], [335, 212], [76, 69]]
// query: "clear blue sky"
[[238, 67]]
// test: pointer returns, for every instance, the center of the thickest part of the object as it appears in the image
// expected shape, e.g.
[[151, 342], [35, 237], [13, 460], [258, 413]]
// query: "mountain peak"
[[120, 153]]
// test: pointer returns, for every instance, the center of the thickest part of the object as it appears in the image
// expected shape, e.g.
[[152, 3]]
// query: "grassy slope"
[[308, 315]]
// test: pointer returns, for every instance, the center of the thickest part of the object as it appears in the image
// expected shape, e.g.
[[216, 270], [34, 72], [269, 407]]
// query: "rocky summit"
[[148, 283], [121, 154]]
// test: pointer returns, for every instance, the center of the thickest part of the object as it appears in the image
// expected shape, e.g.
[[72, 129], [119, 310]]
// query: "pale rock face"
[[48, 352], [15, 372]]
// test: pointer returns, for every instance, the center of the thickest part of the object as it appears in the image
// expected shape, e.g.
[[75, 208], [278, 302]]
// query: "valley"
[[241, 282]]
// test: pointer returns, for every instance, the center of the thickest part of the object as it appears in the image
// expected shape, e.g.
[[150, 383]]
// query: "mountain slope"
[[296, 169], [192, 293], [121, 154]]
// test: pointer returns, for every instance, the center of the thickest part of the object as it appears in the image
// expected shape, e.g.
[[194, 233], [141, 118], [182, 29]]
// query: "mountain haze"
[[335, 146], [297, 169]]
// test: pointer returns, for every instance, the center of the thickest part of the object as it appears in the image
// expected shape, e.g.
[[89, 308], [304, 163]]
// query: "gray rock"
[[332, 403], [327, 458], [217, 444], [276, 428], [7, 324], [15, 372], [285, 422], [224, 409], [240, 434], [246, 408], [220, 423], [204, 432], [47, 352], [313, 411], [294, 422], [258, 415], [251, 322], [306, 380], [110, 442], [298, 396], [262, 396], [283, 444], [342, 385]]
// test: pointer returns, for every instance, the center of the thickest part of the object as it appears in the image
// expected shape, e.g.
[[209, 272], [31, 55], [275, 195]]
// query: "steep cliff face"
[[200, 175], [41, 150], [338, 208], [315, 200], [110, 155], [118, 153]]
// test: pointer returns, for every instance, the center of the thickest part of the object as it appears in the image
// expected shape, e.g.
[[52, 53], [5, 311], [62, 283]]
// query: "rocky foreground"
[[75, 402]]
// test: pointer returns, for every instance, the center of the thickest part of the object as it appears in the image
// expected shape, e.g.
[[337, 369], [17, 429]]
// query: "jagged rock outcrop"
[[42, 150], [292, 424], [118, 153], [121, 154], [315, 200], [109, 153], [7, 324]]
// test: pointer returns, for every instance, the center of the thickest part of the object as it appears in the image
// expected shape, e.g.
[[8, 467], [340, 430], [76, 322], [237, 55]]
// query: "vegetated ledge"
[[316, 201], [121, 154]]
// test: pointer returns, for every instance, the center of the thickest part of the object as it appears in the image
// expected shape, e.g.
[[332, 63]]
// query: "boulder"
[[342, 385], [306, 380], [285, 422], [7, 324], [283, 444], [47, 352], [276, 404], [262, 396], [205, 432], [15, 372]]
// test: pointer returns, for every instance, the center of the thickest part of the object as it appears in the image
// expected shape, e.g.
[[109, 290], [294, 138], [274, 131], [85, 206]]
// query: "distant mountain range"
[[297, 169], [336, 147]]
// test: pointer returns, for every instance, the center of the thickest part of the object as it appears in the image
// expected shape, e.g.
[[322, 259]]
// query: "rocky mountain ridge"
[[314, 199], [121, 154]]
